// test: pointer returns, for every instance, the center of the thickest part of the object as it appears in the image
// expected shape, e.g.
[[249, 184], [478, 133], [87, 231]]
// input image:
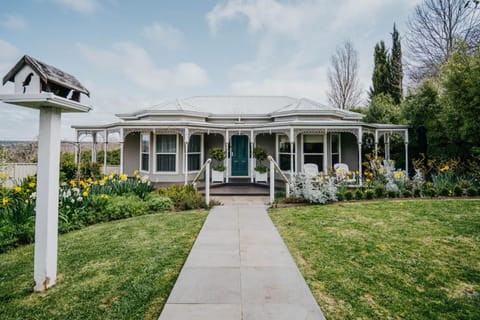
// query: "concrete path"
[[240, 268]]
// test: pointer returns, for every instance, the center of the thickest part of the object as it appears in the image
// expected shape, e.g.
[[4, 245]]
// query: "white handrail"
[[275, 167], [206, 168]]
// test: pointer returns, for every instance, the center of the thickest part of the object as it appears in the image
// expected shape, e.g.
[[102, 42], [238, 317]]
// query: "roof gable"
[[47, 73]]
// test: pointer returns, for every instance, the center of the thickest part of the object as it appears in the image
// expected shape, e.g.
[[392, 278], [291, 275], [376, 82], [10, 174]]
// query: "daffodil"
[[5, 201], [123, 177], [85, 194], [4, 175], [135, 173], [17, 189], [31, 185], [73, 183], [103, 196]]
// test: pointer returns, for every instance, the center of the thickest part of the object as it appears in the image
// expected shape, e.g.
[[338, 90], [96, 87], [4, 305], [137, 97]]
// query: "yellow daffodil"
[[5, 201], [17, 189], [4, 175], [135, 173], [73, 183], [95, 182], [85, 194], [123, 177], [27, 190], [31, 185], [89, 180], [103, 196]]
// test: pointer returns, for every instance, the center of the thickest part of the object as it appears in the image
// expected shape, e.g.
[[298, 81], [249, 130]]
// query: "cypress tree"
[[396, 68], [381, 71]]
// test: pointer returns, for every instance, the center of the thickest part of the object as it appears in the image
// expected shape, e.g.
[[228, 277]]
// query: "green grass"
[[388, 259], [117, 270]]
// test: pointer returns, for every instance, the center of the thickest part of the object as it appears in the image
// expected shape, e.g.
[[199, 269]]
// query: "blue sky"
[[134, 54]]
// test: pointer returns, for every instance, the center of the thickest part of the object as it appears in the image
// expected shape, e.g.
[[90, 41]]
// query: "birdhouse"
[[36, 82]]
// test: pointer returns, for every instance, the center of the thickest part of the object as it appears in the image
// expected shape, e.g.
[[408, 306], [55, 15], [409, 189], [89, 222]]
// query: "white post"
[[46, 227], [387, 146], [272, 182], [252, 162], [292, 144], [186, 162], [360, 173], [105, 147], [227, 159], [406, 152], [376, 144], [121, 150], [94, 147], [207, 183], [325, 153]]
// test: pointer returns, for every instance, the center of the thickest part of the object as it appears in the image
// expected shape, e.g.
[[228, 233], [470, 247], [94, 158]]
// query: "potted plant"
[[218, 154], [261, 171]]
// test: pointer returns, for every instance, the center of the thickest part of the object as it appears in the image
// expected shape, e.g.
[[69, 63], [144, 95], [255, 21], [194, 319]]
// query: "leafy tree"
[[461, 82], [433, 31], [344, 90], [396, 68], [381, 71], [383, 109]]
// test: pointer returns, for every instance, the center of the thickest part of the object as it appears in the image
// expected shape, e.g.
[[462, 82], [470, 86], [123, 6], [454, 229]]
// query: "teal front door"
[[239, 156]]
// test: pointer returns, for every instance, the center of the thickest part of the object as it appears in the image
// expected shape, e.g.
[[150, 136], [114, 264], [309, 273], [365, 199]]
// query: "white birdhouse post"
[[51, 91]]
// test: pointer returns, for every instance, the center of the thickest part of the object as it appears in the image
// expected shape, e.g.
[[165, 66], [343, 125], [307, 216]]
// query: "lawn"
[[410, 259], [118, 270]]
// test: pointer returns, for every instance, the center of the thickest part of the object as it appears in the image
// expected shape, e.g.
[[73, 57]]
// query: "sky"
[[135, 54]]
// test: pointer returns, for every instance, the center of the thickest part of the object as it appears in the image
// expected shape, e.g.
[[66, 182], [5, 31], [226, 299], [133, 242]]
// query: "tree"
[[382, 109], [396, 68], [461, 79], [434, 29], [381, 71], [344, 90]]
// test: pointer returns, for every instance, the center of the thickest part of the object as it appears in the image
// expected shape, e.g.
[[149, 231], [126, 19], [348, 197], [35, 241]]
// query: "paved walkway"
[[239, 268]]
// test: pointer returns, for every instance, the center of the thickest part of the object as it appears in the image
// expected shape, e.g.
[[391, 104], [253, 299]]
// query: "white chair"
[[342, 173], [310, 169]]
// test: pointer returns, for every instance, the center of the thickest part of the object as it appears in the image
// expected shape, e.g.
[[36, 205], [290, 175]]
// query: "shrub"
[[417, 192], [125, 206], [444, 192], [392, 193], [430, 192], [358, 194], [407, 193], [68, 167], [458, 191], [157, 203], [183, 197], [348, 195], [369, 194], [340, 196], [472, 191], [294, 200], [379, 191]]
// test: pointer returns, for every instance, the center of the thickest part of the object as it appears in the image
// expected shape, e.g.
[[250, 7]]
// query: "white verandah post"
[[185, 152], [360, 171], [406, 152], [121, 150], [105, 147], [46, 227]]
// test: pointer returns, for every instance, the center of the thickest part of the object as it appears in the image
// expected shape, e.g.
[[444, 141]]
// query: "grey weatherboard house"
[[170, 141]]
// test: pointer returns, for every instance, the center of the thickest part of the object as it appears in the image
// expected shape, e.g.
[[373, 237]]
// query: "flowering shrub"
[[80, 204], [315, 190]]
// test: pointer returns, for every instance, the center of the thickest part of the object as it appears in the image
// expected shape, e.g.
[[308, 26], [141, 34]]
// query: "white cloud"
[[134, 62], [13, 22], [164, 35], [267, 15], [80, 6], [8, 51]]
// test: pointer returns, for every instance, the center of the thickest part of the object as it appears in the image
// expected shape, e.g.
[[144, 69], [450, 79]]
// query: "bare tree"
[[344, 90], [433, 31]]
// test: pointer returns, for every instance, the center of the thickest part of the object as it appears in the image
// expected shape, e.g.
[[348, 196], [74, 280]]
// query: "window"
[[335, 147], [166, 152], [145, 152], [284, 153], [313, 150], [194, 153]]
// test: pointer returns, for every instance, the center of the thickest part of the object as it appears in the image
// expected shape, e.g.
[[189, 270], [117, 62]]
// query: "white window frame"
[[339, 148], [147, 153], [278, 153], [176, 153], [313, 154], [201, 152]]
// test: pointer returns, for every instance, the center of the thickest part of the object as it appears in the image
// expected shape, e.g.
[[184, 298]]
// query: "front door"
[[239, 156]]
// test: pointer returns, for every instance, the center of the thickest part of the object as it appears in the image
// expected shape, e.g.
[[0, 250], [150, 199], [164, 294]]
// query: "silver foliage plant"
[[314, 189]]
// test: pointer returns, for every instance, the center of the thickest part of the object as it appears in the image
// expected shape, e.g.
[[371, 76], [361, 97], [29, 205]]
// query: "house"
[[170, 141]]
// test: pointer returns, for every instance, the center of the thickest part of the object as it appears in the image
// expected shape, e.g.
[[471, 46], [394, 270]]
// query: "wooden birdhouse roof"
[[47, 73]]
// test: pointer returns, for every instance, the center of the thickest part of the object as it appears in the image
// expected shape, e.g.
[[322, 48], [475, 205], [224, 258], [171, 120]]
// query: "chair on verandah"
[[343, 173], [310, 169]]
